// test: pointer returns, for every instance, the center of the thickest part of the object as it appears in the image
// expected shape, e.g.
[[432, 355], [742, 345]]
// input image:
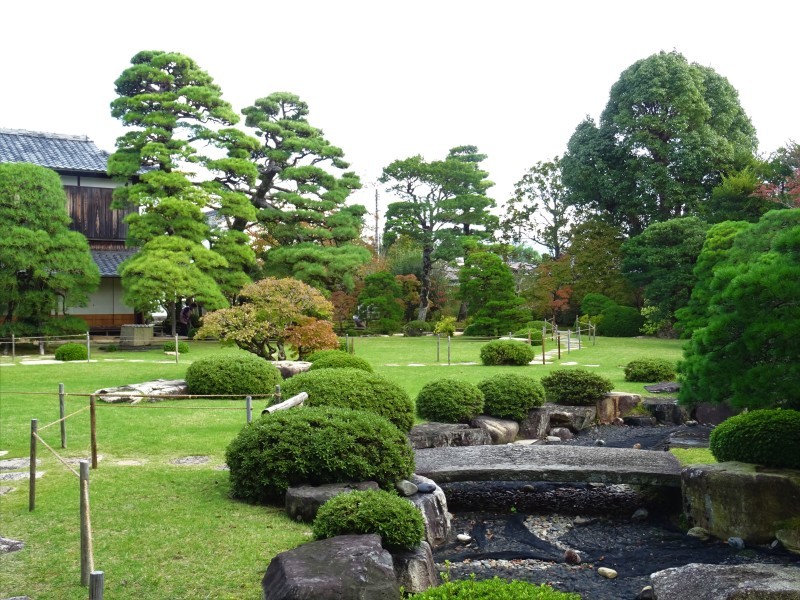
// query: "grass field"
[[163, 530]]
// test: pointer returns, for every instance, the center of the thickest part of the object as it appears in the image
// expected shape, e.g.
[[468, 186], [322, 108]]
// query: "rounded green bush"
[[769, 437], [510, 396], [416, 328], [449, 401], [535, 334], [72, 351], [620, 321], [315, 445], [336, 359], [110, 348], [395, 519], [649, 370], [240, 374], [507, 352], [356, 389], [575, 387], [493, 589], [183, 347]]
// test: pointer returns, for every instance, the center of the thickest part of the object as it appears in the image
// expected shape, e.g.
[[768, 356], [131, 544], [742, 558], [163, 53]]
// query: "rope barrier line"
[[64, 462], [65, 418], [174, 407], [164, 397]]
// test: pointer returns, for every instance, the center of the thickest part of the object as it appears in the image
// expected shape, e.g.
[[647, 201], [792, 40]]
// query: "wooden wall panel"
[[92, 215]]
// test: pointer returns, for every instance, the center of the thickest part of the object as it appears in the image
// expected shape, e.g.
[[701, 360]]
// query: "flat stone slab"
[[727, 582], [549, 463]]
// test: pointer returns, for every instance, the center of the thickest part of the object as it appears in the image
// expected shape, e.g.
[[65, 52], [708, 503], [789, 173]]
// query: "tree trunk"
[[425, 288]]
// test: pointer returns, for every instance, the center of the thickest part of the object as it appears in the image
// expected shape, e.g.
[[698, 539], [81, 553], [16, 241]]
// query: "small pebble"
[[599, 443], [698, 533], [426, 488], [641, 514], [405, 487], [552, 439], [637, 446], [606, 572], [691, 423], [572, 557], [647, 593], [464, 538]]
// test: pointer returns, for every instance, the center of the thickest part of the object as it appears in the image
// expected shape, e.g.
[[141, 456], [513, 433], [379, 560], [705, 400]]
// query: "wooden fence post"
[[438, 346], [544, 337], [93, 427], [13, 348], [448, 350], [176, 349], [249, 406], [88, 348], [96, 581], [32, 470], [61, 414], [86, 526]]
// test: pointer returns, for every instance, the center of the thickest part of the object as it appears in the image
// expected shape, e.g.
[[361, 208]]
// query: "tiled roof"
[[52, 150], [108, 261]]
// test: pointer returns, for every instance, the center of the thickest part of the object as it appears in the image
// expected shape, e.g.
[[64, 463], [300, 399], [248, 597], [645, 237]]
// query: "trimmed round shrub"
[[240, 374], [769, 437], [315, 445], [493, 589], [536, 335], [620, 321], [575, 387], [183, 347], [336, 359], [356, 389], [510, 396], [507, 352], [72, 351], [395, 519], [416, 328], [649, 370], [449, 401], [593, 304]]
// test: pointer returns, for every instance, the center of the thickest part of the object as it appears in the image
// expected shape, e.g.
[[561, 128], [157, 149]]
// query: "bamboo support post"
[[87, 560], [249, 407], [93, 427], [293, 401], [448, 350], [544, 337], [438, 345], [13, 348], [61, 414], [88, 348], [176, 349], [32, 472]]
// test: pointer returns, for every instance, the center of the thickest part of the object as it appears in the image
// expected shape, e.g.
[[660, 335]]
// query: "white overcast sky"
[[388, 80]]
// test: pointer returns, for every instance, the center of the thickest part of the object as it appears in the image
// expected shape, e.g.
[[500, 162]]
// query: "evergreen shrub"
[[649, 370], [511, 396], [620, 321], [575, 387], [356, 389], [769, 437], [183, 347], [507, 352], [493, 589], [449, 401], [535, 333], [240, 374], [395, 519], [445, 326], [72, 351], [416, 328], [314, 446], [336, 359]]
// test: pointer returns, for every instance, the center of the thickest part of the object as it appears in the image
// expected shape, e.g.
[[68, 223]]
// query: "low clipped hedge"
[[72, 351], [336, 359], [511, 396], [183, 347], [240, 374], [395, 519], [769, 437], [356, 389], [507, 352], [649, 370], [493, 589], [416, 328], [575, 387], [314, 446], [449, 401]]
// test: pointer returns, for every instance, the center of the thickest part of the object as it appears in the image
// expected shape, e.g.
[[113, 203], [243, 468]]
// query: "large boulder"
[[727, 582], [303, 501], [537, 424], [666, 410], [540, 419], [502, 431], [439, 435], [345, 566], [615, 405], [433, 507], [415, 569], [711, 414], [734, 499], [290, 368]]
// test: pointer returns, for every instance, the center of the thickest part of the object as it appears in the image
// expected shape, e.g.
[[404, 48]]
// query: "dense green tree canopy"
[[44, 267], [440, 202], [380, 302], [670, 130], [747, 349]]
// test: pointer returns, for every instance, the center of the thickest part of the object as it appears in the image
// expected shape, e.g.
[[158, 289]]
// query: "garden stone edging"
[[727, 582]]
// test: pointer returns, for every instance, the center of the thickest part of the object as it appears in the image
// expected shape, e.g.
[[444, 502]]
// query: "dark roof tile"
[[108, 261], [52, 150]]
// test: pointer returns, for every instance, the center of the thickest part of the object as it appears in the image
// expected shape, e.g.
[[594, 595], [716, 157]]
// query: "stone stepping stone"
[[130, 463], [8, 545], [3, 452], [14, 464], [190, 460], [6, 489], [19, 476]]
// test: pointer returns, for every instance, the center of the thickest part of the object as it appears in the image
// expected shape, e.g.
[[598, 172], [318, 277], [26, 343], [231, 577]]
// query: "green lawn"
[[167, 531]]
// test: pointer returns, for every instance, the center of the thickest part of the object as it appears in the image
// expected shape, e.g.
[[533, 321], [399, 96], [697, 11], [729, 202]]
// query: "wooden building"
[[82, 167]]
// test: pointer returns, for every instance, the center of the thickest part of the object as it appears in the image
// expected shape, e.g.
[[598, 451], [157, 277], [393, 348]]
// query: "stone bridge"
[[515, 462]]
